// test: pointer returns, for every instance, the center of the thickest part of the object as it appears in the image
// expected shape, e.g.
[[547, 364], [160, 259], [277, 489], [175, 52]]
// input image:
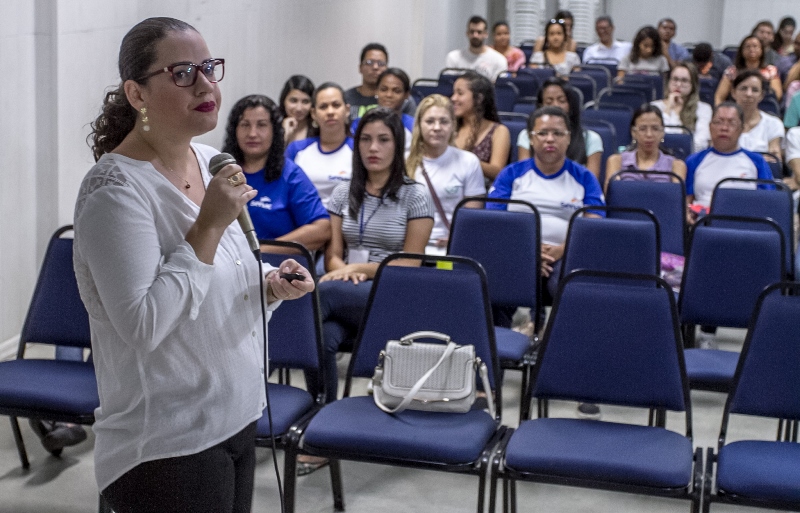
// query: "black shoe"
[[588, 411], [57, 435]]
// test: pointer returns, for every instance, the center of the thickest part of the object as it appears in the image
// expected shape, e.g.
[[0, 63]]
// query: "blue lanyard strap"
[[363, 224]]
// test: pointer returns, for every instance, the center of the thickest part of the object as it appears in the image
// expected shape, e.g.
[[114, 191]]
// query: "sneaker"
[[588, 411], [57, 435], [707, 341]]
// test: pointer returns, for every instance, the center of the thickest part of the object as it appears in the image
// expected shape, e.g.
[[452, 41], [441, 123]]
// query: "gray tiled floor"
[[66, 484]]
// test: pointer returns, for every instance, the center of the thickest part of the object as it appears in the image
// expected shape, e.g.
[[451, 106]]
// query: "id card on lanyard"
[[360, 254]]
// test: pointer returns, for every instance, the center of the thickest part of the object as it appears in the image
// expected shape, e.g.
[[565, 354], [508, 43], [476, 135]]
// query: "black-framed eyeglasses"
[[184, 74]]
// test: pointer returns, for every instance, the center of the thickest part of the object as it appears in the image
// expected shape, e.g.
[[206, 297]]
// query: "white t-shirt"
[[325, 170], [599, 52], [644, 65], [490, 63], [793, 144], [455, 174], [758, 138], [706, 169], [701, 131]]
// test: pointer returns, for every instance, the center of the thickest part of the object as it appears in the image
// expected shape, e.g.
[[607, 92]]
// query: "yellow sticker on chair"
[[445, 266]]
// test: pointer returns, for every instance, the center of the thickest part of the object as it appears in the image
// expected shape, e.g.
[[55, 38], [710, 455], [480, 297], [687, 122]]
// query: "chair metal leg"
[[524, 400], [512, 493], [103, 506], [23, 454], [481, 491], [289, 479], [336, 485]]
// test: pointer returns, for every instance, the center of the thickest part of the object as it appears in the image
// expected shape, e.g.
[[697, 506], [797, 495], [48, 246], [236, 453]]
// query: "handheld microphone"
[[214, 166]]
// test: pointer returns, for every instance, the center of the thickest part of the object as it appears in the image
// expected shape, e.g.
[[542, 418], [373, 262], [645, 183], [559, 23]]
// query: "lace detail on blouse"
[[102, 174]]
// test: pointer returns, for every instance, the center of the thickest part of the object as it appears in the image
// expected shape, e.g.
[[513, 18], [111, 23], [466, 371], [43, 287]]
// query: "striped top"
[[384, 220]]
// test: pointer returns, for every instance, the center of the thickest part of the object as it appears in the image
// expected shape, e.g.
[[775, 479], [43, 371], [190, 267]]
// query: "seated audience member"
[[710, 63], [792, 117], [585, 146], [783, 44], [478, 56], [674, 52], [750, 55], [569, 43], [554, 184], [295, 105], [681, 105], [607, 50], [327, 156], [394, 88], [723, 159], [762, 132], [478, 127], [448, 173], [555, 53], [789, 69], [793, 154], [287, 206], [646, 56], [765, 32], [374, 60], [380, 212], [501, 36], [645, 153]]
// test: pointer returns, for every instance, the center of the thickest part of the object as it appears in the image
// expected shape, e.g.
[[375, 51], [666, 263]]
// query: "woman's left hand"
[[282, 289]]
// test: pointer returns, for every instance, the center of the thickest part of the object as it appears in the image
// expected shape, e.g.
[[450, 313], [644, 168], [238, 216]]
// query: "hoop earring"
[[145, 119]]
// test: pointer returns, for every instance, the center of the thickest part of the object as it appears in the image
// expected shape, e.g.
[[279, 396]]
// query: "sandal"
[[305, 468]]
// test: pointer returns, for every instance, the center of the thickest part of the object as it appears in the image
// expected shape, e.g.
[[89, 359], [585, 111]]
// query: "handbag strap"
[[435, 197], [425, 334], [451, 346], [484, 372]]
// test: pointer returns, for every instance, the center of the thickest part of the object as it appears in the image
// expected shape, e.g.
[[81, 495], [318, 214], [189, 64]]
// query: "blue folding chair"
[[593, 351], [776, 166], [601, 75], [654, 83], [772, 200], [404, 300], [59, 390], [679, 140], [763, 473], [608, 134], [541, 74], [513, 272], [770, 105], [618, 115], [666, 200], [708, 86], [506, 95], [526, 83], [731, 259], [527, 47], [584, 83], [618, 95], [515, 122], [423, 87], [730, 51]]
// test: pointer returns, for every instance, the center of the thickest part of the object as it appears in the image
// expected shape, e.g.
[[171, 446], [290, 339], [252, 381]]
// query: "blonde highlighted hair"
[[417, 149]]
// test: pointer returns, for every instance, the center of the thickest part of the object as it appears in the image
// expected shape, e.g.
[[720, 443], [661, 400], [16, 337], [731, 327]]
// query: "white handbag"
[[428, 377]]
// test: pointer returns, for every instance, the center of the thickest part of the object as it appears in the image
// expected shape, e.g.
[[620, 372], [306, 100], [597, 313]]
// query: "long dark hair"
[[647, 108], [577, 143], [740, 62], [313, 131], [546, 45], [786, 21], [397, 169], [274, 166], [300, 82], [483, 104], [646, 32], [137, 53]]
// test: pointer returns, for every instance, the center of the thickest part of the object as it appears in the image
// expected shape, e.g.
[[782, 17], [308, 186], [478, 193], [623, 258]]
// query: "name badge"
[[358, 256]]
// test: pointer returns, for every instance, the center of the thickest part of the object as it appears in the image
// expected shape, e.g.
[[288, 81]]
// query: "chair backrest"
[[600, 74], [730, 51], [56, 314], [506, 95], [585, 83], [515, 122], [629, 96], [774, 203], [526, 83], [730, 261], [449, 296], [527, 47], [629, 245], [608, 133], [767, 377], [775, 165], [770, 105], [423, 87], [508, 246], [666, 200], [295, 329], [610, 65], [708, 86], [618, 343], [655, 84], [525, 108], [618, 115], [681, 144], [541, 74]]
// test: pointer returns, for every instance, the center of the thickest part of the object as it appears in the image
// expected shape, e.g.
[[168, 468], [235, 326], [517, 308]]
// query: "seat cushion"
[[601, 451], [49, 385], [760, 470], [288, 404], [355, 425], [710, 367], [511, 345]]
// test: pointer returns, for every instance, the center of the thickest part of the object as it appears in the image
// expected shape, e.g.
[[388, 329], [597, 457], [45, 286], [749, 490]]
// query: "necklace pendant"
[[187, 186]]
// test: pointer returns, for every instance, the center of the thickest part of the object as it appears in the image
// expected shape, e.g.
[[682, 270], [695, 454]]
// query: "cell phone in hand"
[[293, 276]]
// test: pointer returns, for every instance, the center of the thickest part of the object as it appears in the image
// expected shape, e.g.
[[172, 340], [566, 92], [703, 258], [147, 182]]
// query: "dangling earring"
[[145, 119], [314, 123]]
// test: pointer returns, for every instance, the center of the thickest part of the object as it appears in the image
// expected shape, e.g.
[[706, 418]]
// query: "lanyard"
[[363, 224]]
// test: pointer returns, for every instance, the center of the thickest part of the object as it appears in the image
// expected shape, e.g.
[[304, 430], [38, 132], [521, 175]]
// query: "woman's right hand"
[[289, 126], [346, 273], [223, 202], [674, 101]]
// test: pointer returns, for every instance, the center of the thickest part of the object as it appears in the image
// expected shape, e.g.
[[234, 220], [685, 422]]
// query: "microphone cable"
[[274, 448]]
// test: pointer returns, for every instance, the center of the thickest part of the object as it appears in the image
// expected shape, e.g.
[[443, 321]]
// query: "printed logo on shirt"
[[452, 190], [574, 204], [263, 202], [341, 175]]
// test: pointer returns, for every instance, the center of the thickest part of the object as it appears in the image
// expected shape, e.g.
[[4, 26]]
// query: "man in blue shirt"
[[674, 52]]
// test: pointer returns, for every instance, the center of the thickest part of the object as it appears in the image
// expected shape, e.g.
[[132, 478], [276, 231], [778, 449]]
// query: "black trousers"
[[218, 479]]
